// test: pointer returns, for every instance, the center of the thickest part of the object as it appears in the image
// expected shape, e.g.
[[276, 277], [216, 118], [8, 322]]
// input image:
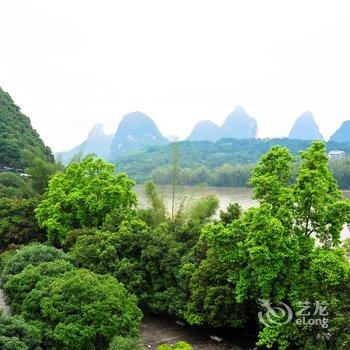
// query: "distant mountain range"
[[137, 130], [238, 125], [97, 143], [305, 128]]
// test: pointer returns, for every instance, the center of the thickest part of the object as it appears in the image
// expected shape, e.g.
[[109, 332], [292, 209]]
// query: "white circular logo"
[[275, 315]]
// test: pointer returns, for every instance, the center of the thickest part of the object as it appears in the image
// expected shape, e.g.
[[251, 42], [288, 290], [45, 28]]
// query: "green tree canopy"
[[18, 286], [32, 254], [82, 310], [272, 252], [118, 253], [81, 196], [18, 224], [16, 334]]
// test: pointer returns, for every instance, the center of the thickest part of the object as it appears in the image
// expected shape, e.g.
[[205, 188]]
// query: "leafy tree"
[[156, 213], [32, 254], [233, 212], [82, 310], [212, 299], [318, 208], [258, 248], [203, 209], [17, 222], [326, 279], [81, 196], [10, 152], [16, 334], [118, 253], [271, 249]]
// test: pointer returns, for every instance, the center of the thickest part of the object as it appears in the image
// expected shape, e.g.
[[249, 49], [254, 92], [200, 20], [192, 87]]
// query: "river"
[[226, 195]]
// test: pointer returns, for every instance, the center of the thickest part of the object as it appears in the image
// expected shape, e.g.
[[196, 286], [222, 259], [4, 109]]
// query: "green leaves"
[[271, 250], [181, 345], [17, 222], [82, 196], [84, 310], [17, 137], [73, 308], [16, 334]]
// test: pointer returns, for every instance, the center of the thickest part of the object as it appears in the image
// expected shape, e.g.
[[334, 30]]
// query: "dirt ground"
[[157, 330]]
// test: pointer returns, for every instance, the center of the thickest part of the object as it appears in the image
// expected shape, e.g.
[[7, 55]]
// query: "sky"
[[71, 64]]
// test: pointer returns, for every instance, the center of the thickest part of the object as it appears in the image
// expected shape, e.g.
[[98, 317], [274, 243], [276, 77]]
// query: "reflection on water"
[[226, 195]]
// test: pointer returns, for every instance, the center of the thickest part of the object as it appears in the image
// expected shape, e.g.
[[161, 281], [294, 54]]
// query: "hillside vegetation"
[[226, 162], [18, 140]]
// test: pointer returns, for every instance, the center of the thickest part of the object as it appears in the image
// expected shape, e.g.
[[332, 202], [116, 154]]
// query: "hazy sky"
[[70, 64]]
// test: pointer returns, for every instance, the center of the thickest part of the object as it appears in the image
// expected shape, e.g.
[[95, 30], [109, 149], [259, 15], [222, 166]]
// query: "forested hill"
[[226, 162], [19, 142]]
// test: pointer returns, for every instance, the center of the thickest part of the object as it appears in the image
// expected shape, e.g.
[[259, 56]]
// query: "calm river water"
[[226, 195]]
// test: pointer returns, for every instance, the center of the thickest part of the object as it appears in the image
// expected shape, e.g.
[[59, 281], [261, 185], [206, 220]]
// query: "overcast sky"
[[71, 64]]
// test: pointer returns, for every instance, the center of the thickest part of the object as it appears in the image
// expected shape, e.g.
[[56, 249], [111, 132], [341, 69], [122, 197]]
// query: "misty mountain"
[[205, 130], [135, 131], [239, 125], [305, 128], [343, 133], [97, 143]]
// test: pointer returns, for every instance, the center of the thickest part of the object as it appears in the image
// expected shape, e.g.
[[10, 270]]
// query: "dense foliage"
[[272, 251], [81, 196], [18, 224], [32, 254], [73, 308], [13, 185], [18, 140], [218, 271], [16, 334]]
